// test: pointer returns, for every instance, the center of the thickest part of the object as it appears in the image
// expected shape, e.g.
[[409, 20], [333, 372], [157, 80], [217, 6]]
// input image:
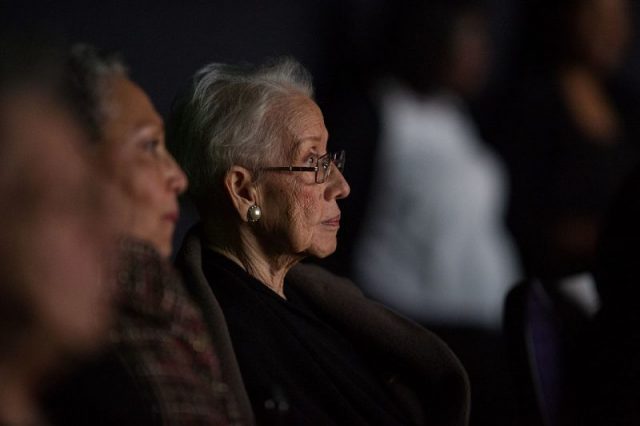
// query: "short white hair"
[[229, 116]]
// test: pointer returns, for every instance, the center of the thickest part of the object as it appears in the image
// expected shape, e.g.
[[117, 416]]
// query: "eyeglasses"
[[322, 167]]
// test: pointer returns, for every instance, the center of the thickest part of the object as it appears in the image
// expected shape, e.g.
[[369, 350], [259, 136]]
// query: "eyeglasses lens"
[[324, 165]]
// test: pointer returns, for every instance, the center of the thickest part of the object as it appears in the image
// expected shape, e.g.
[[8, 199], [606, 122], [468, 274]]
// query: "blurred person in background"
[[305, 345], [435, 225], [567, 127], [160, 366], [57, 239], [434, 243]]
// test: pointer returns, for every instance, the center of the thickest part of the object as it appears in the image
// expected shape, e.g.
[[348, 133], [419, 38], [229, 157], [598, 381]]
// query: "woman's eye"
[[326, 163], [312, 160], [151, 145]]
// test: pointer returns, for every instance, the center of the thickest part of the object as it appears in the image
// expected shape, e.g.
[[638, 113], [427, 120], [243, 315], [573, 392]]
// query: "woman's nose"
[[178, 181], [337, 186]]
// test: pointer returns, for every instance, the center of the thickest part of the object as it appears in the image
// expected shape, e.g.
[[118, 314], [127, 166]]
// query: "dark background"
[[164, 43], [337, 40]]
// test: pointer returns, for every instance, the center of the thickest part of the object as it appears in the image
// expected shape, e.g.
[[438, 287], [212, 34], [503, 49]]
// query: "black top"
[[297, 369]]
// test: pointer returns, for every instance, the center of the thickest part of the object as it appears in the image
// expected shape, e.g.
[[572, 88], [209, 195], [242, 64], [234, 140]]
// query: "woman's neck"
[[589, 104], [16, 405], [17, 402], [245, 250]]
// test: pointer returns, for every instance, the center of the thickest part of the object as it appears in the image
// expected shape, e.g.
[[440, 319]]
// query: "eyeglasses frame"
[[338, 158]]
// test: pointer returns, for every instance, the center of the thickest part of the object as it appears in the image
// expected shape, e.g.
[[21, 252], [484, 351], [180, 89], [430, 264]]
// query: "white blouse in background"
[[434, 244]]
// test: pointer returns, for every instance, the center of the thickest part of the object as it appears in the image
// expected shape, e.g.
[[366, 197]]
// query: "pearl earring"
[[254, 214]]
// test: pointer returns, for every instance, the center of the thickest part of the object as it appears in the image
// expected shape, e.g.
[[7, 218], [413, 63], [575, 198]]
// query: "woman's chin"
[[164, 250], [322, 251], [161, 244]]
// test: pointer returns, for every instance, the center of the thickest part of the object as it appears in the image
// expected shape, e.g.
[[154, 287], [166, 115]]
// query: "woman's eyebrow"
[[305, 146], [148, 128], [298, 145], [300, 141]]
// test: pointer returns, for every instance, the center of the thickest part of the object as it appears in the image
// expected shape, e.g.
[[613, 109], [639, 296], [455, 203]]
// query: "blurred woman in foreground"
[[56, 235]]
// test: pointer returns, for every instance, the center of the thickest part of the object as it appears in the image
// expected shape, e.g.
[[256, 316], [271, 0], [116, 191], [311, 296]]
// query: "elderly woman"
[[160, 366], [300, 345]]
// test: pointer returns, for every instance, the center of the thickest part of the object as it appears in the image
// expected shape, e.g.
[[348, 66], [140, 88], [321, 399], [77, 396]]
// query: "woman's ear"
[[242, 192]]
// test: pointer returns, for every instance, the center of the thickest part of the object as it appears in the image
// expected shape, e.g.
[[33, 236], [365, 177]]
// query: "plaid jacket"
[[159, 367], [161, 336]]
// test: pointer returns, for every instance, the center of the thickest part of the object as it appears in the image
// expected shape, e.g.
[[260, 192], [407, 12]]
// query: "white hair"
[[229, 116]]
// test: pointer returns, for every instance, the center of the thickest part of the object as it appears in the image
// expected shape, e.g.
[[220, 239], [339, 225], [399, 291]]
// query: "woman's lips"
[[171, 217], [334, 221]]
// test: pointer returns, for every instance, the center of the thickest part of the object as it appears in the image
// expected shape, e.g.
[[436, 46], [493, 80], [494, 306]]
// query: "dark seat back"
[[544, 333]]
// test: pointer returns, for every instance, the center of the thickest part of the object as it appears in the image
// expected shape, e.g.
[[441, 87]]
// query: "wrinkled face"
[[301, 217], [56, 239], [138, 161]]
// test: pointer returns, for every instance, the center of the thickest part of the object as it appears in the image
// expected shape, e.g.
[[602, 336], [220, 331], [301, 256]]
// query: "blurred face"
[[470, 53], [301, 217], [604, 30], [56, 238], [138, 161]]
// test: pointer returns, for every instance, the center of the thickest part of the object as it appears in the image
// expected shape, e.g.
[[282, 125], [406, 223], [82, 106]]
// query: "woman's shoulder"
[[322, 286], [383, 333]]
